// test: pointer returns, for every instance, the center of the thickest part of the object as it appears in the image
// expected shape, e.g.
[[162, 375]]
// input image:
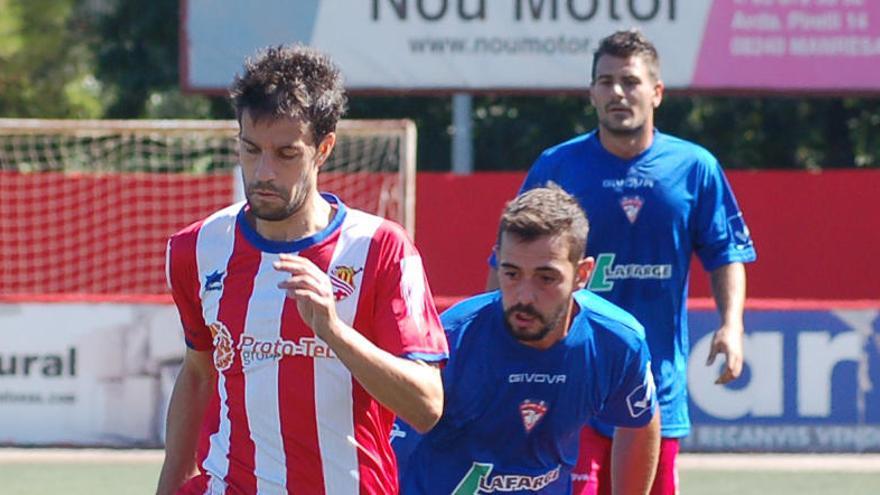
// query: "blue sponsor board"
[[811, 382]]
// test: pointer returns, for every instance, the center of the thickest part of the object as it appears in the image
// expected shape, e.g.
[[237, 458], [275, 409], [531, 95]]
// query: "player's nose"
[[265, 168], [525, 294]]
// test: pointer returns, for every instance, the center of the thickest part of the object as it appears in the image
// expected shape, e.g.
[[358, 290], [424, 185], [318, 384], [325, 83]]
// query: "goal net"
[[86, 207]]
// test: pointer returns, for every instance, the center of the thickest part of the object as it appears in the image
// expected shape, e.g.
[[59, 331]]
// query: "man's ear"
[[583, 270], [325, 147], [659, 87]]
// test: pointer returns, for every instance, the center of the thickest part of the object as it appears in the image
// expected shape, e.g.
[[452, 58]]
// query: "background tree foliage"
[[45, 64], [119, 59]]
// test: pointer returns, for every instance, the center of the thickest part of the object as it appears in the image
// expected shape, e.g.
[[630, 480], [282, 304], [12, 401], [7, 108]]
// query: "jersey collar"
[[270, 246]]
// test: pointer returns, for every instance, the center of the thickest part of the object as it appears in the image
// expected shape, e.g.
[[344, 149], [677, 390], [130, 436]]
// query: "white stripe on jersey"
[[333, 381], [412, 282], [211, 256], [263, 322], [216, 486]]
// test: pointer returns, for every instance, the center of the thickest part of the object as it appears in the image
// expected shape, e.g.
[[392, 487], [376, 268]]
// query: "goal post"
[[86, 205]]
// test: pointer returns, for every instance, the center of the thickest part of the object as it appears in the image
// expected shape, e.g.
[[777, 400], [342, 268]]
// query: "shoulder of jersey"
[[565, 148], [385, 228], [228, 213], [680, 145], [608, 315], [468, 309]]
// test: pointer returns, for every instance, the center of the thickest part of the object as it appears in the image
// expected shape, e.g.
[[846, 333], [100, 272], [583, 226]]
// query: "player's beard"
[[290, 205], [547, 322]]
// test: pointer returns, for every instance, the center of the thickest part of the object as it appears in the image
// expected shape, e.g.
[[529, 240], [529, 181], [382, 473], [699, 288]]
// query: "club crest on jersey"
[[214, 281], [223, 346], [632, 205], [342, 280], [531, 413]]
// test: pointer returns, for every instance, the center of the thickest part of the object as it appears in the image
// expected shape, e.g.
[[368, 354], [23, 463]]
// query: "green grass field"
[[122, 474], [778, 483]]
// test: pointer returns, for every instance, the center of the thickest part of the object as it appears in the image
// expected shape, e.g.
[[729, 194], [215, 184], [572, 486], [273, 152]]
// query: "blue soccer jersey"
[[513, 413], [648, 215]]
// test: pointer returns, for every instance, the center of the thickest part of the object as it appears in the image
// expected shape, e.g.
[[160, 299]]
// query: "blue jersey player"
[[531, 364], [653, 201]]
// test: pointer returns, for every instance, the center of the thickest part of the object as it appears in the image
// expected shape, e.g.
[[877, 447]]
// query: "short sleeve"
[[720, 233], [632, 402], [405, 317], [181, 273]]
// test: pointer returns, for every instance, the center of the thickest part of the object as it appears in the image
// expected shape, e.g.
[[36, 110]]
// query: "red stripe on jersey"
[[210, 426], [373, 421], [240, 273], [197, 485], [185, 286], [377, 464], [296, 384]]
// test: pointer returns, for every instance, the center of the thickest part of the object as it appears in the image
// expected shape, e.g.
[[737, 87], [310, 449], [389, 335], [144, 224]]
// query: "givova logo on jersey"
[[479, 479], [641, 400], [742, 238], [606, 272]]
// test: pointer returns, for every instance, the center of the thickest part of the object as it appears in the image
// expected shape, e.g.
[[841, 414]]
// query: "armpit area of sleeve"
[[197, 342], [426, 356], [727, 257], [632, 420]]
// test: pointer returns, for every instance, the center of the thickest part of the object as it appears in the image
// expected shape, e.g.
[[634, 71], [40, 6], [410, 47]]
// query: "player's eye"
[[510, 274]]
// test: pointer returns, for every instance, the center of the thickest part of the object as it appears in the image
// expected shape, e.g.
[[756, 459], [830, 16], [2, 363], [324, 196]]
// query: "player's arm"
[[634, 456], [411, 389], [189, 399], [729, 291]]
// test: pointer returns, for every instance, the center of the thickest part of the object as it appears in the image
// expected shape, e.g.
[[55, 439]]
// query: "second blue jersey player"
[[530, 365], [654, 201]]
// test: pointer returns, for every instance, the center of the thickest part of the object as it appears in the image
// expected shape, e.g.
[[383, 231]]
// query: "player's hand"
[[728, 340], [311, 289]]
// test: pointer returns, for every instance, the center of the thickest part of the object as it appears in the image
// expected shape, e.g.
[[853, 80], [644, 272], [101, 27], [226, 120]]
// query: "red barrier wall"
[[817, 234]]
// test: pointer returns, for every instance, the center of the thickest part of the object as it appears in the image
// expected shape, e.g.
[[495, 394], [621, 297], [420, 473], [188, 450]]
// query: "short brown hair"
[[547, 211], [291, 81], [625, 44]]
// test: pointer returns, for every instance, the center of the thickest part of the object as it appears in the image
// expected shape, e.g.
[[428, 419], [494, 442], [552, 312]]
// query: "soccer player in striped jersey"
[[309, 325], [530, 364]]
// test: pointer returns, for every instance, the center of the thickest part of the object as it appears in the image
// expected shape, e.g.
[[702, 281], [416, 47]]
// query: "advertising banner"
[[86, 374], [543, 45], [102, 374], [811, 383]]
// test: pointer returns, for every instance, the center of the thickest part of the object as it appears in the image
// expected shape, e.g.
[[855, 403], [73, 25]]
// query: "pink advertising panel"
[[791, 44]]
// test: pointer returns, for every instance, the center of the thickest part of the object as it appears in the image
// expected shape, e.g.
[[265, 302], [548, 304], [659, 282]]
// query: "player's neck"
[[313, 217], [626, 146]]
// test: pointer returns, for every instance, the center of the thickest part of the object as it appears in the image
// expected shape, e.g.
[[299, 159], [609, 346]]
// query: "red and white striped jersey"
[[287, 416]]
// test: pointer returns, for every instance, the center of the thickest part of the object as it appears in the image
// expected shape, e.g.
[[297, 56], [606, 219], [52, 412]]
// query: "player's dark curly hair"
[[547, 211], [291, 81], [625, 44]]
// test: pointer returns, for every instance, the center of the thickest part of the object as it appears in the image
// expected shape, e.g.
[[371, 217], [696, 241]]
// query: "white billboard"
[[87, 374], [543, 45]]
